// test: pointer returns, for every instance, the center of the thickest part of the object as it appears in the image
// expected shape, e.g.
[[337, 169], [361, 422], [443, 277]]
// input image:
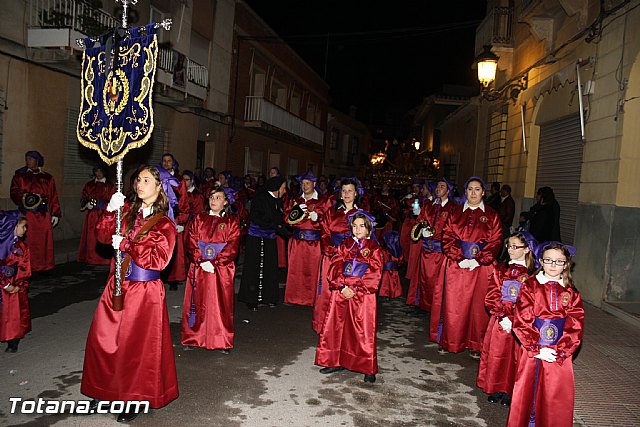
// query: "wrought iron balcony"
[[259, 110], [496, 29], [181, 73], [57, 23]]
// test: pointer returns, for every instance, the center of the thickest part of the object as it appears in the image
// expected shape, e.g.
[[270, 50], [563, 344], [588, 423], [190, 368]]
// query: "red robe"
[[40, 234], [214, 292], [430, 265], [206, 186], [408, 223], [464, 319], [333, 222], [348, 336], [555, 385], [390, 285], [129, 353], [15, 317], [178, 264], [101, 192], [500, 351], [304, 256]]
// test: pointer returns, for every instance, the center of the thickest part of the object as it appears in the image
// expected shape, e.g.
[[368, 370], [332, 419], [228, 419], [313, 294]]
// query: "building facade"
[[564, 112], [348, 145], [278, 104]]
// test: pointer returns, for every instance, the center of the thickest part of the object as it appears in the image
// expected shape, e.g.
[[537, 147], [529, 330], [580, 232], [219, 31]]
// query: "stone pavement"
[[269, 379]]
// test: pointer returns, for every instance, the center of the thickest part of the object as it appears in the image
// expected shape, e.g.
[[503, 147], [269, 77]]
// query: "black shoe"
[[93, 405], [125, 417], [11, 349], [331, 370], [495, 397], [252, 307], [474, 354], [225, 351], [370, 378], [272, 305], [442, 351], [506, 400]]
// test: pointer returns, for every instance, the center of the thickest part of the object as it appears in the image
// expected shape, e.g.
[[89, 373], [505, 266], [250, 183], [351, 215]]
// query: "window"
[[496, 142], [335, 137], [199, 49], [252, 162], [311, 111], [295, 103], [279, 94], [257, 82], [156, 16]]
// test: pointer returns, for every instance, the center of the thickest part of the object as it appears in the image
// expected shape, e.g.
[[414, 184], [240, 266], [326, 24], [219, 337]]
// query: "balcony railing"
[[195, 73], [496, 29], [69, 14], [259, 109]]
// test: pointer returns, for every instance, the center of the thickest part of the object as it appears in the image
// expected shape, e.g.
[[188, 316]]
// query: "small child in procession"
[[348, 336], [498, 361], [15, 272], [549, 322], [390, 286]]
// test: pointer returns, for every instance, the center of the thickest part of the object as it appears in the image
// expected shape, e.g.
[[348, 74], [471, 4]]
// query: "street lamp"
[[416, 144], [487, 64]]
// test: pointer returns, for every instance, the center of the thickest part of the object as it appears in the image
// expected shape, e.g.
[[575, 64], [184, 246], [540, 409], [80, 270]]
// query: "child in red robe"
[[15, 271], [549, 322], [498, 361]]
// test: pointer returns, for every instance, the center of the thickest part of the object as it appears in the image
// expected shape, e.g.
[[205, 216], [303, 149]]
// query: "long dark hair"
[[356, 200], [160, 205]]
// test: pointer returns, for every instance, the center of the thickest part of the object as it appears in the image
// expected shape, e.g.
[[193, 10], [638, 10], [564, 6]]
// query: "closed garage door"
[[559, 167]]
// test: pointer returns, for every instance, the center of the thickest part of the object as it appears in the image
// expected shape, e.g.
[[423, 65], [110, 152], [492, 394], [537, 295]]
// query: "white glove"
[[506, 324], [416, 211], [313, 216], [303, 206], [116, 202], [89, 206], [54, 221], [426, 232], [180, 228], [207, 266], [464, 263], [472, 264], [409, 196], [116, 240], [547, 354]]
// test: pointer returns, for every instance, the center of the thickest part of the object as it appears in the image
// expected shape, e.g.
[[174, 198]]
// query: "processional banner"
[[118, 72]]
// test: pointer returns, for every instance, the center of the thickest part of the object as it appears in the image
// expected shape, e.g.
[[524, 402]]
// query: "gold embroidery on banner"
[[112, 140]]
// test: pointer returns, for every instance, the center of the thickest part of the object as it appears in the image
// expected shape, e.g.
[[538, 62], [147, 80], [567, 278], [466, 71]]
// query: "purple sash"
[[354, 268], [301, 234], [510, 290], [101, 204], [550, 330], [210, 250], [470, 249], [256, 231], [390, 266], [431, 245], [135, 273], [8, 271], [337, 238]]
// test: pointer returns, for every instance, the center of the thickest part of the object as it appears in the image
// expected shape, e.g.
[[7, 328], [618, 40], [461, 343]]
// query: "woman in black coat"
[[545, 216], [259, 284]]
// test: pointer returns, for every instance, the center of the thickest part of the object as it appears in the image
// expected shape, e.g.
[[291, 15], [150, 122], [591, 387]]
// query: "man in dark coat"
[[259, 284]]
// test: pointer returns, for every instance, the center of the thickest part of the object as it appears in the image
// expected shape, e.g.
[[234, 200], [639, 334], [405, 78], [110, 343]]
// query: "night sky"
[[384, 57]]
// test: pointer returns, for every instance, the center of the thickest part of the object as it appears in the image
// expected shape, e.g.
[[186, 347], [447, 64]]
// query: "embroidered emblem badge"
[[565, 297], [549, 333], [348, 268], [222, 226], [365, 252], [483, 219]]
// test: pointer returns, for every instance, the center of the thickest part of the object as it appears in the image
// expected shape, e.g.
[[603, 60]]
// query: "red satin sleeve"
[[232, 237], [52, 195], [106, 226], [488, 254], [523, 318], [17, 189], [334, 275], [493, 299], [573, 328], [371, 280], [325, 232], [153, 251], [86, 191]]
